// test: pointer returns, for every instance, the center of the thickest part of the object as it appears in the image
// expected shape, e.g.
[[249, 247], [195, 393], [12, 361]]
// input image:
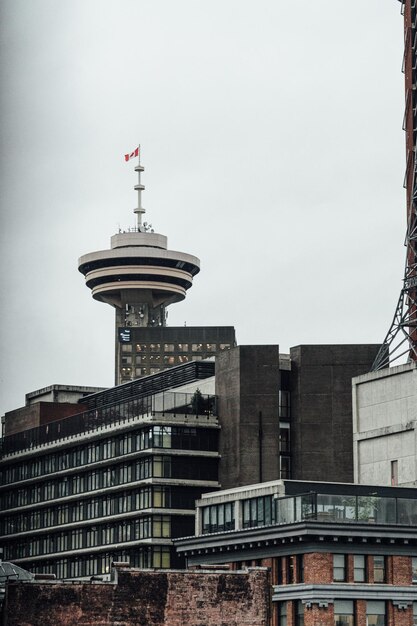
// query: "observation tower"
[[139, 277]]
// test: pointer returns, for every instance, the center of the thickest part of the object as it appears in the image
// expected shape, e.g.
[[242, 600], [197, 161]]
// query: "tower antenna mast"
[[401, 338]]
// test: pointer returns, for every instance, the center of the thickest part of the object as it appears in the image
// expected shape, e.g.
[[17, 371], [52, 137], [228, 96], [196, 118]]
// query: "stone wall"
[[144, 598]]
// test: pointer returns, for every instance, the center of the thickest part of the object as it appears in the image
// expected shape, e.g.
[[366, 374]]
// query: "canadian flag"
[[135, 153]]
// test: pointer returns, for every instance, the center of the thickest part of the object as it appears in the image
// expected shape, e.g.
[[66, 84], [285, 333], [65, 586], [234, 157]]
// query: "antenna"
[[139, 188]]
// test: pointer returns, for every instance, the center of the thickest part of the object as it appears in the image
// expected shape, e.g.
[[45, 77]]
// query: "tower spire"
[[139, 188]]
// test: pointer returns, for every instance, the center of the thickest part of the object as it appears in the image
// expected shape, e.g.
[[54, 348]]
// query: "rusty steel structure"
[[401, 339]]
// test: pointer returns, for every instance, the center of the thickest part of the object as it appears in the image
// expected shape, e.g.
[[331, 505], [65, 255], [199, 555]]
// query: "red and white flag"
[[133, 154]]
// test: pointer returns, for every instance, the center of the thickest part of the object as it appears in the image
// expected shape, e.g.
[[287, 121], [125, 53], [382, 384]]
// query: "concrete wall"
[[321, 396], [147, 598], [247, 385], [385, 425]]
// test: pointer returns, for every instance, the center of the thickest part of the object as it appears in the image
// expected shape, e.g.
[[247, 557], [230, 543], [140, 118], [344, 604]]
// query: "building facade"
[[116, 481], [118, 476], [287, 416], [338, 554], [385, 426]]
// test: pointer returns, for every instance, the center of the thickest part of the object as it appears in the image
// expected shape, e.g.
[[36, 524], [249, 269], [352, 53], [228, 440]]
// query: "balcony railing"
[[369, 509], [164, 403]]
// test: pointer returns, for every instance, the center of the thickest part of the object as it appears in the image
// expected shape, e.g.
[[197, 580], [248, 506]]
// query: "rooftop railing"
[[369, 509], [173, 404]]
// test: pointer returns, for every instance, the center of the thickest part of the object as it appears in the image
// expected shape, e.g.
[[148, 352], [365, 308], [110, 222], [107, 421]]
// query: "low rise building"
[[338, 553]]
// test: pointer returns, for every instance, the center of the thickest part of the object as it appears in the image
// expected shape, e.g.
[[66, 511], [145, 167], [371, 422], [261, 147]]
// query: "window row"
[[114, 475], [152, 526], [174, 347], [92, 508], [218, 517], [255, 512], [344, 613], [177, 437], [100, 564], [365, 569]]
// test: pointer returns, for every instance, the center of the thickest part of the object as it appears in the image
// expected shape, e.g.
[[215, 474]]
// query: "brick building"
[[133, 597], [339, 554]]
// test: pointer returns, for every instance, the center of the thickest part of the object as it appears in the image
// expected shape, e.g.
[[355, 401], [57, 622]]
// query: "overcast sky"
[[272, 144]]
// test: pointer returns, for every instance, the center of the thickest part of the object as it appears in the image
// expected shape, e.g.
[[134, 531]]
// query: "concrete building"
[[338, 553], [139, 276], [385, 426], [287, 416]]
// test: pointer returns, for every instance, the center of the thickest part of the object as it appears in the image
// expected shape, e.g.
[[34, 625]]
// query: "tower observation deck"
[[139, 277]]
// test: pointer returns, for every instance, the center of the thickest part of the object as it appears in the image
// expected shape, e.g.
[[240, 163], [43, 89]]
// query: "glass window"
[[414, 570], [140, 347], [285, 466], [169, 347], [169, 360], [414, 613], [211, 347], [284, 404], [140, 371], [339, 567], [126, 347], [257, 511], [196, 347], [343, 613], [126, 360], [183, 347], [182, 358], [375, 613], [154, 370], [154, 347], [394, 473], [299, 613], [379, 569], [359, 568], [282, 613], [224, 346], [284, 439]]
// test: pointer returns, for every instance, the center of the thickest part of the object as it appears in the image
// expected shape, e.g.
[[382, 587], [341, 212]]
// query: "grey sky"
[[271, 137]]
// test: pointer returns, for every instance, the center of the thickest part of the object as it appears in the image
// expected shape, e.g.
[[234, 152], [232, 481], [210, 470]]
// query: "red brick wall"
[[316, 616], [151, 598], [318, 568], [400, 570]]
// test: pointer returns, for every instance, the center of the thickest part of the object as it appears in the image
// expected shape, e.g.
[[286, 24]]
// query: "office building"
[[385, 426], [338, 553], [115, 481]]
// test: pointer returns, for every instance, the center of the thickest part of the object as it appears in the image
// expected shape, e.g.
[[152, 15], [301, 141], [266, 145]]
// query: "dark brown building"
[[287, 416]]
